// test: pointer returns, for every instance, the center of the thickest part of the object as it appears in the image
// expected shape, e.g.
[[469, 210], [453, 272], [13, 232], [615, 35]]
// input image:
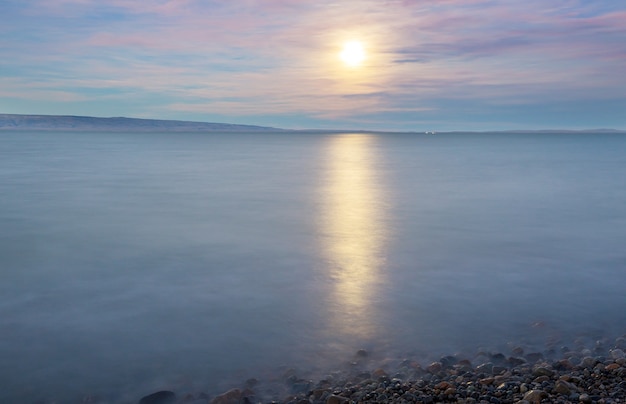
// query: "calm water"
[[136, 262]]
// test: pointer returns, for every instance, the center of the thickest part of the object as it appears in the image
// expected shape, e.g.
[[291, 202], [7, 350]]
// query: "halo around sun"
[[353, 53]]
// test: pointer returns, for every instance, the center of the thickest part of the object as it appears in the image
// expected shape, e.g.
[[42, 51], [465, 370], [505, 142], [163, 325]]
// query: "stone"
[[450, 391], [587, 362], [335, 399], [612, 366], [379, 373], [160, 397], [362, 353], [513, 361], [534, 357], [443, 385], [448, 361], [434, 367], [563, 387], [498, 370], [564, 364], [535, 396], [518, 350], [233, 396], [617, 353], [543, 371], [485, 368]]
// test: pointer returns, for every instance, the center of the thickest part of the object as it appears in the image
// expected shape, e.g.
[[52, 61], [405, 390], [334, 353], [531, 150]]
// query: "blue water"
[[136, 262]]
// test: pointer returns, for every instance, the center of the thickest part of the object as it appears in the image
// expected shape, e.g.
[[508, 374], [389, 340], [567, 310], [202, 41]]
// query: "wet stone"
[[160, 397], [534, 357], [617, 354], [434, 367], [233, 396], [563, 387], [543, 371], [485, 368], [535, 396]]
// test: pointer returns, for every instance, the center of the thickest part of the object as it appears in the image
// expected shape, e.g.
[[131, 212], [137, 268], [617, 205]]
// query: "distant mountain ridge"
[[70, 122]]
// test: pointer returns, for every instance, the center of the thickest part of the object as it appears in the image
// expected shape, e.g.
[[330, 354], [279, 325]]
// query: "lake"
[[134, 262]]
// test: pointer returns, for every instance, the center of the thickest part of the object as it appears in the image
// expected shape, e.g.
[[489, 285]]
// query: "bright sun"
[[353, 53]]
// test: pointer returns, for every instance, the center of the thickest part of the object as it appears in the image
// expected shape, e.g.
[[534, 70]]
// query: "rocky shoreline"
[[583, 373]]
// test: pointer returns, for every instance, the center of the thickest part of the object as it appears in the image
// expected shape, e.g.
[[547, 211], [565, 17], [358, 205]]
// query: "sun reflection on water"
[[353, 233]]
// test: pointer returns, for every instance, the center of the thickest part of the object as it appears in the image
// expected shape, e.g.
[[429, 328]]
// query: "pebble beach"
[[585, 372]]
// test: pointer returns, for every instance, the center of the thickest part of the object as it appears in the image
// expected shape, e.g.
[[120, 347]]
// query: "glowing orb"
[[353, 53]]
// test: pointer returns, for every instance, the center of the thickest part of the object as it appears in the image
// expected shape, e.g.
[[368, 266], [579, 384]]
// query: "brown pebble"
[[535, 396], [434, 367], [230, 397], [334, 399], [450, 391], [612, 366], [563, 387], [443, 385], [379, 373], [487, 380]]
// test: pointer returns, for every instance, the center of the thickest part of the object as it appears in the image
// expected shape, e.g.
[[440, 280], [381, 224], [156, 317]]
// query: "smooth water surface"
[[135, 262]]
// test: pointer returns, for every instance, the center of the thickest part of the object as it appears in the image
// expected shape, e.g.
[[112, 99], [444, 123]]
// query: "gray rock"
[[160, 397], [485, 367], [543, 371]]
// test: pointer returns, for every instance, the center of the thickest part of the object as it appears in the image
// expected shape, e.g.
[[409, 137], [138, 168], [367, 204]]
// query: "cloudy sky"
[[428, 64]]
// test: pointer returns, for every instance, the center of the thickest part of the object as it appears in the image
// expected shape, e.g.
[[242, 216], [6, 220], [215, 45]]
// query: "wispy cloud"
[[197, 59]]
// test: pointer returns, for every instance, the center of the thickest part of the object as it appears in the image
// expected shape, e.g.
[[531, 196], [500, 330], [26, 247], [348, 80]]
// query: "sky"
[[427, 64]]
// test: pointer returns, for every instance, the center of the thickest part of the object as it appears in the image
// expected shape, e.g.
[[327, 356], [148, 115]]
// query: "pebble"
[[160, 397], [577, 376], [535, 396]]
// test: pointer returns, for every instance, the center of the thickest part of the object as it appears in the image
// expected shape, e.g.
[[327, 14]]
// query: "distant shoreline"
[[19, 122]]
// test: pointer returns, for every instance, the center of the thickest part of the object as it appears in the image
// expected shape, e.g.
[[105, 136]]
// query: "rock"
[[617, 354], [450, 391], [518, 350], [513, 361], [361, 353], [498, 370], [485, 368], [160, 397], [612, 366], [543, 371], [563, 387], [588, 362], [434, 367], [464, 365], [233, 396], [564, 364], [334, 399], [378, 373], [448, 361], [535, 396], [584, 398], [534, 357], [442, 385]]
